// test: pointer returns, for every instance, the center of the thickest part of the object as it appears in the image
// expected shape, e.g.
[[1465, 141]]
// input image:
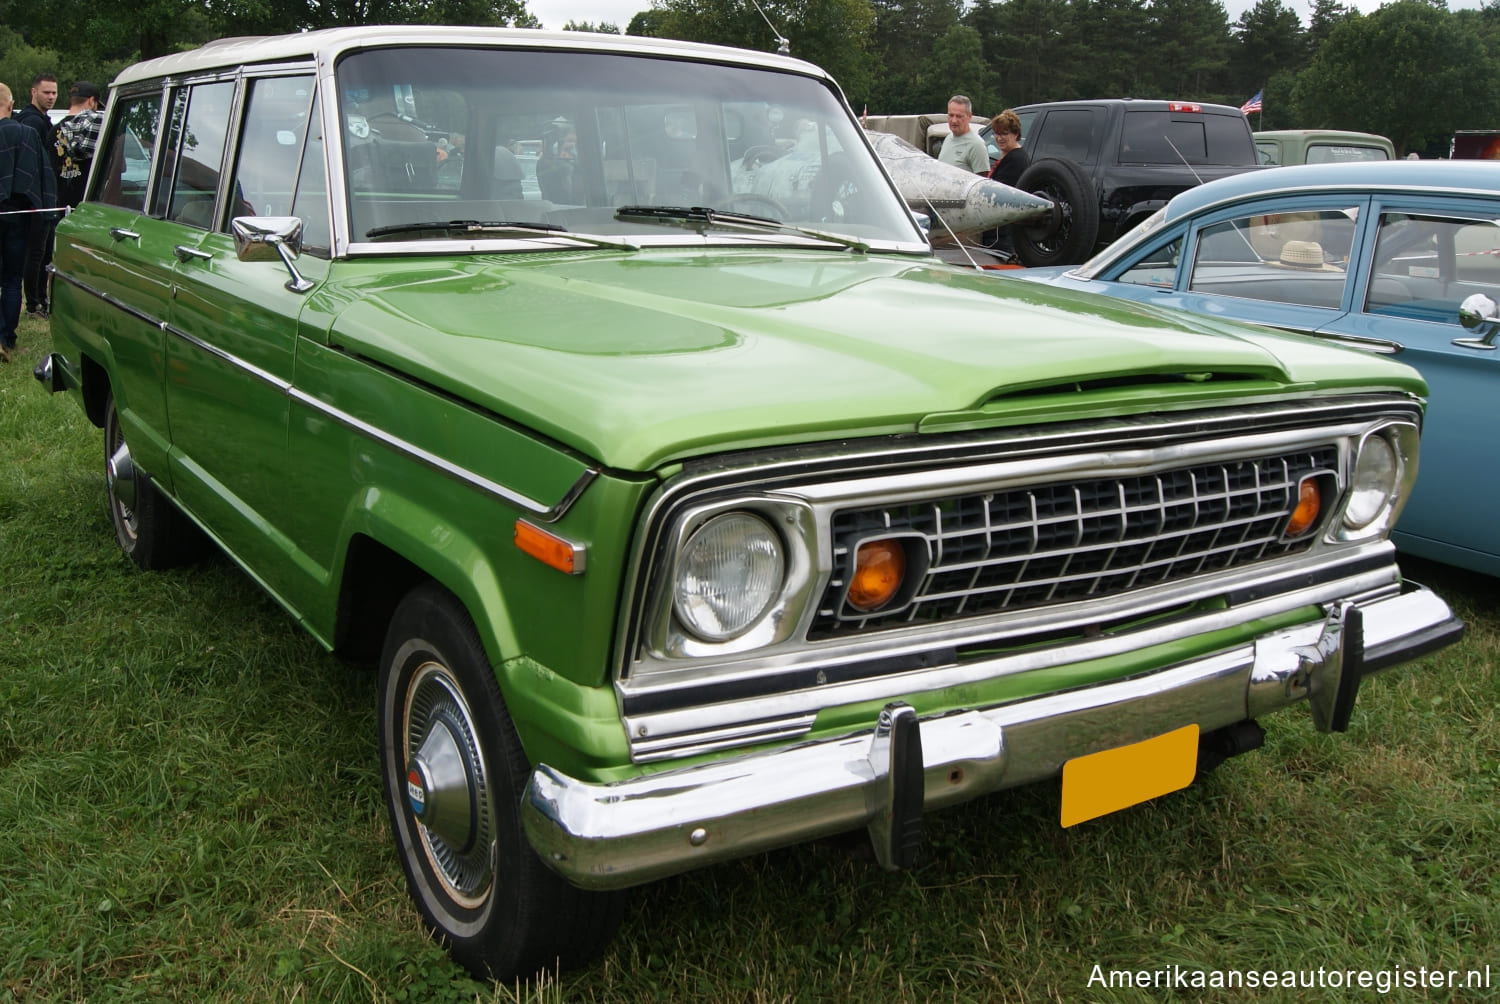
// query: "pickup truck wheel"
[[454, 773], [152, 531], [1065, 236]]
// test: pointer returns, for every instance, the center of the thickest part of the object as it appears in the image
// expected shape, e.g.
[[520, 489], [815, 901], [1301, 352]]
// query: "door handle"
[[121, 234], [186, 254]]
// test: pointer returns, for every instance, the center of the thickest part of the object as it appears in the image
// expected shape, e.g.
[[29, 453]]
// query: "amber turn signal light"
[[1309, 507], [879, 568], [549, 548]]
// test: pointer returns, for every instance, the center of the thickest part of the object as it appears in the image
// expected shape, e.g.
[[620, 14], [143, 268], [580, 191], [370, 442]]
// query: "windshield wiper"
[[493, 228], [700, 218]]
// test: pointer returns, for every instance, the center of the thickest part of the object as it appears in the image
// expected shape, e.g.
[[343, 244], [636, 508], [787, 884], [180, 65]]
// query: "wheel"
[[454, 774], [151, 530], [750, 204], [1065, 236]]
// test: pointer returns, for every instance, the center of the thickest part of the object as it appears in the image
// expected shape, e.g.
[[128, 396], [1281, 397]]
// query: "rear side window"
[[126, 168], [1161, 137], [1066, 133]]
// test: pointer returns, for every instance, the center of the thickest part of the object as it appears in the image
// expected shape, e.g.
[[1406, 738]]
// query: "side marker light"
[[549, 548]]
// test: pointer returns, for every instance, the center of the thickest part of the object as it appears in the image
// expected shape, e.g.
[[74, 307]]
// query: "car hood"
[[637, 360]]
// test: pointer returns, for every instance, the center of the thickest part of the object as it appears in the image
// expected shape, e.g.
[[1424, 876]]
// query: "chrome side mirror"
[[1479, 314], [267, 238]]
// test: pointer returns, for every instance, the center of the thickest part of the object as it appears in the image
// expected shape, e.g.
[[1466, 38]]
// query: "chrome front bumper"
[[606, 836]]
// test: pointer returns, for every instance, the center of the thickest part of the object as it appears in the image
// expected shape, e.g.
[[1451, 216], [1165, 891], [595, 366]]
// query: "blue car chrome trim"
[[541, 510]]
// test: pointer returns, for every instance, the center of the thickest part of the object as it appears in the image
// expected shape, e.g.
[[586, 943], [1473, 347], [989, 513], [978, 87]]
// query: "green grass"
[[190, 810]]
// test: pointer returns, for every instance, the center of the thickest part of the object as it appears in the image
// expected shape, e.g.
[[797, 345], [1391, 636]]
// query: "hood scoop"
[[1103, 396], [1119, 381]]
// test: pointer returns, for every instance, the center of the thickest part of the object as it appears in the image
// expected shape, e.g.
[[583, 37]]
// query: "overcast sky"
[[555, 13]]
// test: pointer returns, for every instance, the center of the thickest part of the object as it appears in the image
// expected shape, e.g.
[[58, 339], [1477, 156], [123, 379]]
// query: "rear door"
[[114, 269]]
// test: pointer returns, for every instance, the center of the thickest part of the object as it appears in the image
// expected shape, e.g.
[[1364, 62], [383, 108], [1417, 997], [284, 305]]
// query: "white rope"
[[65, 210]]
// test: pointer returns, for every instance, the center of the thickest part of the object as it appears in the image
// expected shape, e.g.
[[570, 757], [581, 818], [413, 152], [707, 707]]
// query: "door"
[[233, 323], [1428, 255], [114, 266]]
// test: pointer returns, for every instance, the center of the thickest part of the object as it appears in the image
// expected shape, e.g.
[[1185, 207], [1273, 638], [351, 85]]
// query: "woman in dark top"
[[1013, 159], [1007, 170]]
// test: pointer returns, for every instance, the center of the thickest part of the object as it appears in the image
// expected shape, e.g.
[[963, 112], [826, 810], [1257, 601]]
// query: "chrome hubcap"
[[447, 786], [438, 785], [120, 471], [119, 478]]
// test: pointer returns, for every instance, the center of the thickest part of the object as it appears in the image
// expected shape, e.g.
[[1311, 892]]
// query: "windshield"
[[562, 141]]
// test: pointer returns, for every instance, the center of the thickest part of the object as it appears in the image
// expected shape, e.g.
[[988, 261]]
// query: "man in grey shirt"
[[963, 147]]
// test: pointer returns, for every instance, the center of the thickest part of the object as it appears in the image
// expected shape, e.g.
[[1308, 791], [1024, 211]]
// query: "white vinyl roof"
[[328, 43]]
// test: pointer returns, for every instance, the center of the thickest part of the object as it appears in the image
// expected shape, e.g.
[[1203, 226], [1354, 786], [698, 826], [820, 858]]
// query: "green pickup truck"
[[1277, 147], [603, 396]]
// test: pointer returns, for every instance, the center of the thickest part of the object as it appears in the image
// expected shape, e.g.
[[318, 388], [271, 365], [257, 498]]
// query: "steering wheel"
[[742, 202], [758, 155]]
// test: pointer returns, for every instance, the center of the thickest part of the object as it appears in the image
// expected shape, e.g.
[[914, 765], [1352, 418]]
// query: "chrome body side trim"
[[615, 835], [540, 510]]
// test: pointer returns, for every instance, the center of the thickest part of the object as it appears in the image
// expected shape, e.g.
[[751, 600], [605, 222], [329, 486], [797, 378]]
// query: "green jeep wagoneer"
[[603, 392]]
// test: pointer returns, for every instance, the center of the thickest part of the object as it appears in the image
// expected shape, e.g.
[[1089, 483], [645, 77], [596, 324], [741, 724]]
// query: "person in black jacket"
[[26, 185], [39, 233]]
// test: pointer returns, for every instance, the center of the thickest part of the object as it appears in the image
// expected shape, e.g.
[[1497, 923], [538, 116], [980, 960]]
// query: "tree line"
[[1411, 70]]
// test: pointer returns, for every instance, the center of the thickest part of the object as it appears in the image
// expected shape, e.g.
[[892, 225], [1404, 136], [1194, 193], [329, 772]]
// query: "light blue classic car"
[[1377, 255]]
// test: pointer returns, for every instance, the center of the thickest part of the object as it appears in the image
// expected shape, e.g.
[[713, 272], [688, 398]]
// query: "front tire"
[[1065, 236], [454, 773], [148, 528]]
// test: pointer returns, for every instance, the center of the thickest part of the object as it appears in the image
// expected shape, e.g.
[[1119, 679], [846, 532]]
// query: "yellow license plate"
[[1110, 780]]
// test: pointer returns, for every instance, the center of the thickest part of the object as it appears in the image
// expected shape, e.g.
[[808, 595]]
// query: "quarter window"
[[1158, 268]]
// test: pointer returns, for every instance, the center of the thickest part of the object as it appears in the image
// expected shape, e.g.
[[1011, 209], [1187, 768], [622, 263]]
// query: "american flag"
[[1253, 105]]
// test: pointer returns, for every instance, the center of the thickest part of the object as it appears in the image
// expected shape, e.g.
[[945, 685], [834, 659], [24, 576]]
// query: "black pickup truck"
[[1108, 164]]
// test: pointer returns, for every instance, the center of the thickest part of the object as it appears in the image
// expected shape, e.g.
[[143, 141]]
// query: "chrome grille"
[[1039, 545]]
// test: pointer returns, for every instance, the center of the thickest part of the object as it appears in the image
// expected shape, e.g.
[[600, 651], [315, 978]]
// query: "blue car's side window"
[[1157, 267], [1298, 257], [1425, 265]]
